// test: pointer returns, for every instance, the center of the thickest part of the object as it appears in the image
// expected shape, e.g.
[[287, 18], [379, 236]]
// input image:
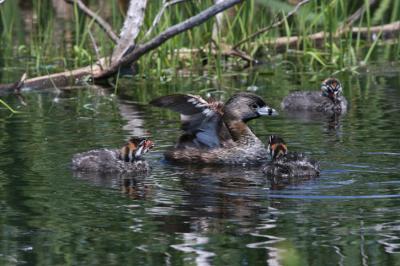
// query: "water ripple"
[[191, 241], [383, 153], [280, 196], [391, 240], [265, 244]]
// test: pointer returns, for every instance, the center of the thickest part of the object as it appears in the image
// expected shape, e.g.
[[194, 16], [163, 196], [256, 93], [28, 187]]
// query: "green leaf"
[[8, 107]]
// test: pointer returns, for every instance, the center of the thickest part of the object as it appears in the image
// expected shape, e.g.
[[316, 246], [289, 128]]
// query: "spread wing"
[[200, 119], [185, 104]]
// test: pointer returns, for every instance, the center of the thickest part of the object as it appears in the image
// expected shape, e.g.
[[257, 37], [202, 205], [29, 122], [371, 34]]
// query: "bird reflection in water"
[[132, 186], [232, 193], [135, 188]]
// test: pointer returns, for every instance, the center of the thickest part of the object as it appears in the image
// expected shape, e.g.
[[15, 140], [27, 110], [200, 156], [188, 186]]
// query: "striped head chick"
[[276, 147], [332, 89], [135, 148]]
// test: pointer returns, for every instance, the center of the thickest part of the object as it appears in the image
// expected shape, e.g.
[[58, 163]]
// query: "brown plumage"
[[135, 148], [276, 147], [288, 164], [126, 161], [216, 133]]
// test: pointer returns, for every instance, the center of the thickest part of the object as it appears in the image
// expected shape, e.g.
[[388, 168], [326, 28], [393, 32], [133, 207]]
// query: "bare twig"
[[226, 50], [70, 77], [242, 55], [96, 49], [274, 25], [99, 20], [165, 5], [166, 35], [391, 30], [355, 16]]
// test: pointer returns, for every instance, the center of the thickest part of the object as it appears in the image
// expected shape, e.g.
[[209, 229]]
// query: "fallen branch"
[[166, 35], [69, 78], [18, 85], [100, 21], [63, 79], [389, 31], [225, 49], [15, 87]]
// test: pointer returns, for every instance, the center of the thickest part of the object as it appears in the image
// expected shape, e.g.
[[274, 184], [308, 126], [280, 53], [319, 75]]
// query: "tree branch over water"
[[166, 35], [132, 50], [94, 71]]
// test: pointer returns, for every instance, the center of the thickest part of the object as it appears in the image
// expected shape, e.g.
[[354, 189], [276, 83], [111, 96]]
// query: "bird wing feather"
[[199, 118]]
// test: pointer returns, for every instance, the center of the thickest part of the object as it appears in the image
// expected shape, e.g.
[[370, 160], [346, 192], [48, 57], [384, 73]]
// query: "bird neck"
[[239, 131]]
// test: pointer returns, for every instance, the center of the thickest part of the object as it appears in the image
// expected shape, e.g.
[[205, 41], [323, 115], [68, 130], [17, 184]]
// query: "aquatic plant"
[[337, 35]]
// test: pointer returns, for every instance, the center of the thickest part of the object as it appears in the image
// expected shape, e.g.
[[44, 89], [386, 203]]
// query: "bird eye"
[[255, 106]]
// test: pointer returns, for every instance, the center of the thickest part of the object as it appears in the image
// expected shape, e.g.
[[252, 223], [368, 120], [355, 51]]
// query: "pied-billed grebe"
[[216, 133], [134, 149], [127, 160], [330, 100], [288, 164]]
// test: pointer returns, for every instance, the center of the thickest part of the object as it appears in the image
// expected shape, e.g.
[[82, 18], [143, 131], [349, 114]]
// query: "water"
[[181, 215]]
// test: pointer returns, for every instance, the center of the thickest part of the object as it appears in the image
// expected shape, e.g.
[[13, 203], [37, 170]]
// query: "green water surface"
[[195, 215]]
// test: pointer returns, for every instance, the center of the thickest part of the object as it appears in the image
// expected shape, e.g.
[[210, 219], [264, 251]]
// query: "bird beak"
[[148, 145], [144, 147], [266, 111]]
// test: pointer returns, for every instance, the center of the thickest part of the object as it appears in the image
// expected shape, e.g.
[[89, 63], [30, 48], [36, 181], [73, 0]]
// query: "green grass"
[[51, 44], [8, 107]]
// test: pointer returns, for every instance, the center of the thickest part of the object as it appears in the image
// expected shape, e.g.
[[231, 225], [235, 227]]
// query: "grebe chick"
[[127, 160], [214, 132], [135, 148], [288, 164], [330, 100]]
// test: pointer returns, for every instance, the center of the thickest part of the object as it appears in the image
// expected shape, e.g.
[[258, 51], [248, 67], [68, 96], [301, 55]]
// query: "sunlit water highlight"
[[181, 215]]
